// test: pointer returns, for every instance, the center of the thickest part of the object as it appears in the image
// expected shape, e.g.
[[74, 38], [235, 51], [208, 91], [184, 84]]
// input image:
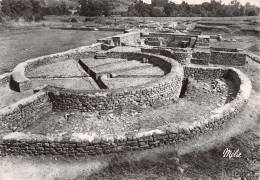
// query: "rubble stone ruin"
[[134, 69]]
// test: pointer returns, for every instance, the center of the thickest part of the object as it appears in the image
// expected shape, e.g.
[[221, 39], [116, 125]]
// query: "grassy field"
[[18, 46]]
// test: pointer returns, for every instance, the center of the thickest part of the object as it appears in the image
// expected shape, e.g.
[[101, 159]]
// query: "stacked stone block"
[[25, 112], [128, 38], [5, 78], [200, 57], [202, 41], [228, 58], [22, 83], [167, 87], [72, 145]]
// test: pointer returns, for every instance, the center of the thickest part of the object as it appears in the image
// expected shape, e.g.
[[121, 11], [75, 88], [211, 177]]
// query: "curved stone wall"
[[183, 57], [22, 83], [216, 56], [78, 144], [5, 78], [19, 115], [24, 112], [166, 87]]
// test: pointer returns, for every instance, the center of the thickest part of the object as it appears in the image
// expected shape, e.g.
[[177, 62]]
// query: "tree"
[[156, 12], [35, 6], [17, 8], [169, 8], [96, 7], [140, 9]]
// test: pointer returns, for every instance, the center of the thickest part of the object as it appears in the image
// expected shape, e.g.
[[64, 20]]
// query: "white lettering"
[[231, 154]]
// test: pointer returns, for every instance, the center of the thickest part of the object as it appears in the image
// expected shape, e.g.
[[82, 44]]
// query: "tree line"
[[96, 7], [207, 9], [30, 10]]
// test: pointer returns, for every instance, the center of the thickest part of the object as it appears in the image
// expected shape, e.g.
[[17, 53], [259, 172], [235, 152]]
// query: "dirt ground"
[[199, 100], [249, 43], [9, 96]]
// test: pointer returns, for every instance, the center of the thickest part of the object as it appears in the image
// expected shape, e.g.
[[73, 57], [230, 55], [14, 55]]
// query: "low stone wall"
[[22, 83], [203, 41], [127, 38], [89, 28], [172, 39], [167, 87], [225, 49], [253, 57], [24, 112], [183, 57], [200, 57], [107, 40], [203, 56], [228, 58], [78, 144], [204, 72], [5, 78]]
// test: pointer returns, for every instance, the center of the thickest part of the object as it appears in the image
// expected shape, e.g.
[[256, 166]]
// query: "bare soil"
[[8, 96], [250, 43], [69, 68], [199, 100], [68, 83], [201, 157], [115, 83]]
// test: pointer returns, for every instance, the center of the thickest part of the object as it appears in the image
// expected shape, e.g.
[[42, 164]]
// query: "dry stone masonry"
[[178, 64]]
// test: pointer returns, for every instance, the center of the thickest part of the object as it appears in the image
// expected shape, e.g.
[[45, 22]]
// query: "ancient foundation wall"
[[5, 78], [78, 144], [223, 56], [225, 49], [127, 38], [200, 57], [183, 57], [228, 58], [24, 112], [22, 83], [167, 87], [171, 39]]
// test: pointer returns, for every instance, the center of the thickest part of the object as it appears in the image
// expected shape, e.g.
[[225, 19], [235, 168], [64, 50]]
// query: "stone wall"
[[167, 87], [127, 38], [78, 144], [228, 58], [5, 78], [172, 39], [225, 49], [22, 83], [183, 57], [24, 112], [200, 57], [204, 72], [107, 40], [202, 41]]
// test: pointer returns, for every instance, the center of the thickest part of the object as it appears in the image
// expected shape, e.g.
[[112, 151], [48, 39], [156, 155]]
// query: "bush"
[[90, 19], [74, 20], [38, 17]]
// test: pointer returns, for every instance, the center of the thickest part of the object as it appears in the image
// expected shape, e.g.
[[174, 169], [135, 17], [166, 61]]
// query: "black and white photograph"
[[129, 90]]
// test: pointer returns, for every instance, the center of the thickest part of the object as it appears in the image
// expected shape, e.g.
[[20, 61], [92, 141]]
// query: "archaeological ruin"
[[138, 70]]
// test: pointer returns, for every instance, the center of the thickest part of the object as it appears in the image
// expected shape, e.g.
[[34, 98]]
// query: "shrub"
[[74, 20], [38, 17]]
